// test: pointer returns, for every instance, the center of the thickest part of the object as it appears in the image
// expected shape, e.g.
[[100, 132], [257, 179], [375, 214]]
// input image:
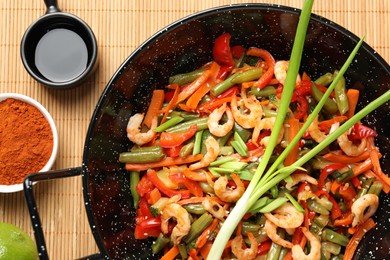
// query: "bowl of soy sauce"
[[59, 50]]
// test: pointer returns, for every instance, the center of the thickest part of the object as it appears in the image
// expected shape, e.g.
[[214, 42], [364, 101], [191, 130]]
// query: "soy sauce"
[[61, 55]]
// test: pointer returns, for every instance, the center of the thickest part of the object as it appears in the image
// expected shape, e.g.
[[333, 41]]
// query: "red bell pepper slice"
[[326, 172], [173, 151], [336, 211], [221, 50], [153, 177], [237, 51], [264, 247], [347, 192], [148, 228], [269, 59], [193, 186], [144, 186], [168, 140], [304, 89], [223, 72], [302, 107], [360, 131]]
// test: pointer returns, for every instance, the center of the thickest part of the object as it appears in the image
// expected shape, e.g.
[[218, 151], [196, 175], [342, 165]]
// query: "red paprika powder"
[[26, 141]]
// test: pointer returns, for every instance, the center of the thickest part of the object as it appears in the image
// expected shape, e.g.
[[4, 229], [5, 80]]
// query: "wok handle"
[[33, 209]]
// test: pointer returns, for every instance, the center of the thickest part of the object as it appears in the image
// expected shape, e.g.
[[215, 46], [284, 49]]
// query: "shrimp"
[[315, 248], [247, 253], [134, 133], [212, 151], [349, 148], [363, 208], [226, 194], [315, 132], [280, 72], [266, 123], [182, 228], [286, 216], [214, 208], [214, 118], [271, 229], [300, 177], [247, 120]]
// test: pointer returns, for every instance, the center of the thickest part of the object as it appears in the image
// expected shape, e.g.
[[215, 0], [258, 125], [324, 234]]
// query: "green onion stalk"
[[242, 205], [260, 185]]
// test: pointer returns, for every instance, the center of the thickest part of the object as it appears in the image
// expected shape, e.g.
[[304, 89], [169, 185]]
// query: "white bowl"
[[46, 114]]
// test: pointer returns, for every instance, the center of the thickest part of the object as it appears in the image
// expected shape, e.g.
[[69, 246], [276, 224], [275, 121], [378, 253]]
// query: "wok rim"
[[210, 11]]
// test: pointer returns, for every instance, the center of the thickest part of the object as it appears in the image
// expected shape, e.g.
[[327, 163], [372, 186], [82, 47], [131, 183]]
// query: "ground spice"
[[26, 141]]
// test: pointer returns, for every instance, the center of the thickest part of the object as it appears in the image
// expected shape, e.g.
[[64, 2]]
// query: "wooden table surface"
[[120, 26]]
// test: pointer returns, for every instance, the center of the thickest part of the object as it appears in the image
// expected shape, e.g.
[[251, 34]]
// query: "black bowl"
[[184, 46]]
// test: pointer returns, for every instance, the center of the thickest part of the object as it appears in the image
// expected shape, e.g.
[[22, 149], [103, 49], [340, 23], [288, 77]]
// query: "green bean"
[[283, 253], [239, 145], [142, 155], [325, 79], [274, 251], [269, 112], [197, 209], [198, 226], [343, 175], [223, 140], [185, 78], [341, 95], [246, 175], [335, 237], [200, 122], [183, 251], [206, 134], [134, 180], [222, 86], [321, 221], [186, 149], [376, 188], [160, 243], [234, 166], [170, 123], [313, 205], [337, 257], [325, 202], [248, 227], [244, 133], [247, 75], [222, 161], [274, 204], [197, 143], [185, 115], [330, 106], [333, 248], [265, 92], [226, 150], [366, 184]]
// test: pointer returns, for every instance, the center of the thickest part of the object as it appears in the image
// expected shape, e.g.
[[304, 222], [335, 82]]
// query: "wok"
[[184, 46]]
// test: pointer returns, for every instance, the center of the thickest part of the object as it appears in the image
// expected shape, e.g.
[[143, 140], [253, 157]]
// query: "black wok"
[[183, 46]]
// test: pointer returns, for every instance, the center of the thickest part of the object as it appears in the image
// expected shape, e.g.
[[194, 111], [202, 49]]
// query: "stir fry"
[[198, 146]]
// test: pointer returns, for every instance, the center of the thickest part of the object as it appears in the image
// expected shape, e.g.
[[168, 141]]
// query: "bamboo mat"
[[120, 26]]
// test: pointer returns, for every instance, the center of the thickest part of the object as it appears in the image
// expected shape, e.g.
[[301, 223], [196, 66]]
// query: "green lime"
[[16, 244]]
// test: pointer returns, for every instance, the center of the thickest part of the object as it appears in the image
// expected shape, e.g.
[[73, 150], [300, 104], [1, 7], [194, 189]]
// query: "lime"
[[16, 244]]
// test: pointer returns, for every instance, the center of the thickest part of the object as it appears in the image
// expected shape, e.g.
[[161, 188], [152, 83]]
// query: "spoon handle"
[[51, 6]]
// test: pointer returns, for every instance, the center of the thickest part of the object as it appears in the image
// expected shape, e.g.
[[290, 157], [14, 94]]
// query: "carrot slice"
[[353, 97], [171, 253], [168, 161], [291, 133], [188, 91], [357, 236], [327, 124], [202, 239], [341, 158], [155, 105]]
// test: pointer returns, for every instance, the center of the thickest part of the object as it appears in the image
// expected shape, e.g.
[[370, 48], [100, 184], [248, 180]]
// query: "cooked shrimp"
[[182, 228], [280, 72], [350, 148], [266, 123], [214, 208], [363, 208], [300, 177], [286, 216], [315, 131], [247, 253], [247, 120], [271, 230], [315, 248], [134, 133], [212, 151], [227, 194], [214, 118]]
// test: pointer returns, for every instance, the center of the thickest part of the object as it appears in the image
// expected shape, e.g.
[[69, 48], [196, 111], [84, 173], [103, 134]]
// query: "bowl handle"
[[33, 209]]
